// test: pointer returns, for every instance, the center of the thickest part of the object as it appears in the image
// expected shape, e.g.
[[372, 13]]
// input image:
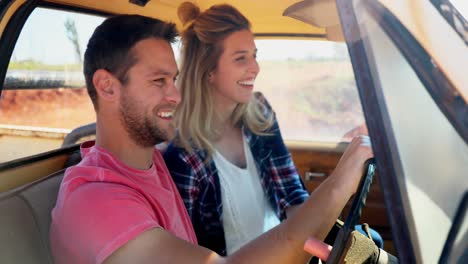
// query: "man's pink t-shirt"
[[103, 204]]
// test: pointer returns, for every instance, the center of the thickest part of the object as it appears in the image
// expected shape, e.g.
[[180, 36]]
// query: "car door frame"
[[376, 114]]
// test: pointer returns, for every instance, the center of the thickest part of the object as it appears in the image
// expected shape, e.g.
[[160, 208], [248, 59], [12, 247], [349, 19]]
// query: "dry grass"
[[57, 108], [312, 99]]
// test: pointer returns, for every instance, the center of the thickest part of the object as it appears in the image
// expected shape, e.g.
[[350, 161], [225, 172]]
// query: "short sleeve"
[[100, 218]]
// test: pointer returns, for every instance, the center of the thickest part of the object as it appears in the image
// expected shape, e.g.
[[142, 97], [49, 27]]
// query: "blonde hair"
[[202, 40]]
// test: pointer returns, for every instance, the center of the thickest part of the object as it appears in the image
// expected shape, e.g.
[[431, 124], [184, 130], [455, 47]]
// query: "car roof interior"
[[280, 19]]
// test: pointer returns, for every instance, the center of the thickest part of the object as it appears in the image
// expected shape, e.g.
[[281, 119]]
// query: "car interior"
[[29, 185]]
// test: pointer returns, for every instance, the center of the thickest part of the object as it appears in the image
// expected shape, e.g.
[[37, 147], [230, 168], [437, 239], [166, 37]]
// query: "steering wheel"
[[354, 214]]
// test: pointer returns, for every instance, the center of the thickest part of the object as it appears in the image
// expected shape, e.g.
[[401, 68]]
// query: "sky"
[[43, 37]]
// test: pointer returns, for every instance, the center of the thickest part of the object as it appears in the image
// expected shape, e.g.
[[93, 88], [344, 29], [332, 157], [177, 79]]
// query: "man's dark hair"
[[110, 46]]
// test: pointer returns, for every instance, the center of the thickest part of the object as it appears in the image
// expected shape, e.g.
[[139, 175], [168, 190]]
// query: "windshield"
[[405, 77]]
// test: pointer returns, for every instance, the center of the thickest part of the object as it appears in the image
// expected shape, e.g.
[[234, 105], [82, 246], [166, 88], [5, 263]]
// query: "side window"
[[44, 95], [310, 85]]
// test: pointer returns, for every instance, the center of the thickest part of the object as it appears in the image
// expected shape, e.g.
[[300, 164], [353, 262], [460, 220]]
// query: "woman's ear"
[[106, 85], [210, 77]]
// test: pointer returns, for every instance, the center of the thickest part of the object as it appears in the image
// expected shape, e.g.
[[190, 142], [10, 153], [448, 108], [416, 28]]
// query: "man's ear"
[[107, 86]]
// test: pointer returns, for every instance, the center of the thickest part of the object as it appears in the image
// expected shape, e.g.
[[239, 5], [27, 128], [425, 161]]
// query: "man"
[[119, 204]]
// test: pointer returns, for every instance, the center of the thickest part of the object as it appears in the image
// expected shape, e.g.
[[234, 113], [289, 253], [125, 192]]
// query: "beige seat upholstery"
[[25, 221]]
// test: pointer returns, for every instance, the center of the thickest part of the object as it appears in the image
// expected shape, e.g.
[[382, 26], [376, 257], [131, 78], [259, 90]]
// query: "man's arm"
[[291, 210], [282, 244], [159, 246]]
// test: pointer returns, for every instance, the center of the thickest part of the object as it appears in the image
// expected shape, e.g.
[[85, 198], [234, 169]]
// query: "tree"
[[72, 35]]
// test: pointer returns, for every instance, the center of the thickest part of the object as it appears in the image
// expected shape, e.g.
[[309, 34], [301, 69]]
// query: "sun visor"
[[334, 33], [318, 13]]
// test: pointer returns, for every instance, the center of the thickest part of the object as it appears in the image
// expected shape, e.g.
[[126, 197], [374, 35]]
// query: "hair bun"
[[187, 12]]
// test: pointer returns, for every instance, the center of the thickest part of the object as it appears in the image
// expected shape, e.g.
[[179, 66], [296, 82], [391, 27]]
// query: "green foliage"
[[72, 35], [33, 65]]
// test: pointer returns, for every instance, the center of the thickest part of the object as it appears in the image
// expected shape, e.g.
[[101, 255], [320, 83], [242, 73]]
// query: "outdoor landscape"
[[311, 101], [310, 85], [314, 100]]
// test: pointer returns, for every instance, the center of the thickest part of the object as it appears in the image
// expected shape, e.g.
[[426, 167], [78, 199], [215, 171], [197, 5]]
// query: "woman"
[[229, 161]]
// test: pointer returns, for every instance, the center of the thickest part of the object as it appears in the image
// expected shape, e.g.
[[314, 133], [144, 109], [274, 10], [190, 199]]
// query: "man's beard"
[[142, 129]]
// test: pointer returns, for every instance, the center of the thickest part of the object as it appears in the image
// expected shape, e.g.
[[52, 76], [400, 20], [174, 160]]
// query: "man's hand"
[[350, 168], [356, 131]]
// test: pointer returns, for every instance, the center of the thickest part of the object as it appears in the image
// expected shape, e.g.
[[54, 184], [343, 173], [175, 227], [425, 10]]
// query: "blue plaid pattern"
[[198, 182]]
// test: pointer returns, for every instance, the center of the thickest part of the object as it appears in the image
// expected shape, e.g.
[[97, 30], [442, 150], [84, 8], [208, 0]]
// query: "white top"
[[246, 211]]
